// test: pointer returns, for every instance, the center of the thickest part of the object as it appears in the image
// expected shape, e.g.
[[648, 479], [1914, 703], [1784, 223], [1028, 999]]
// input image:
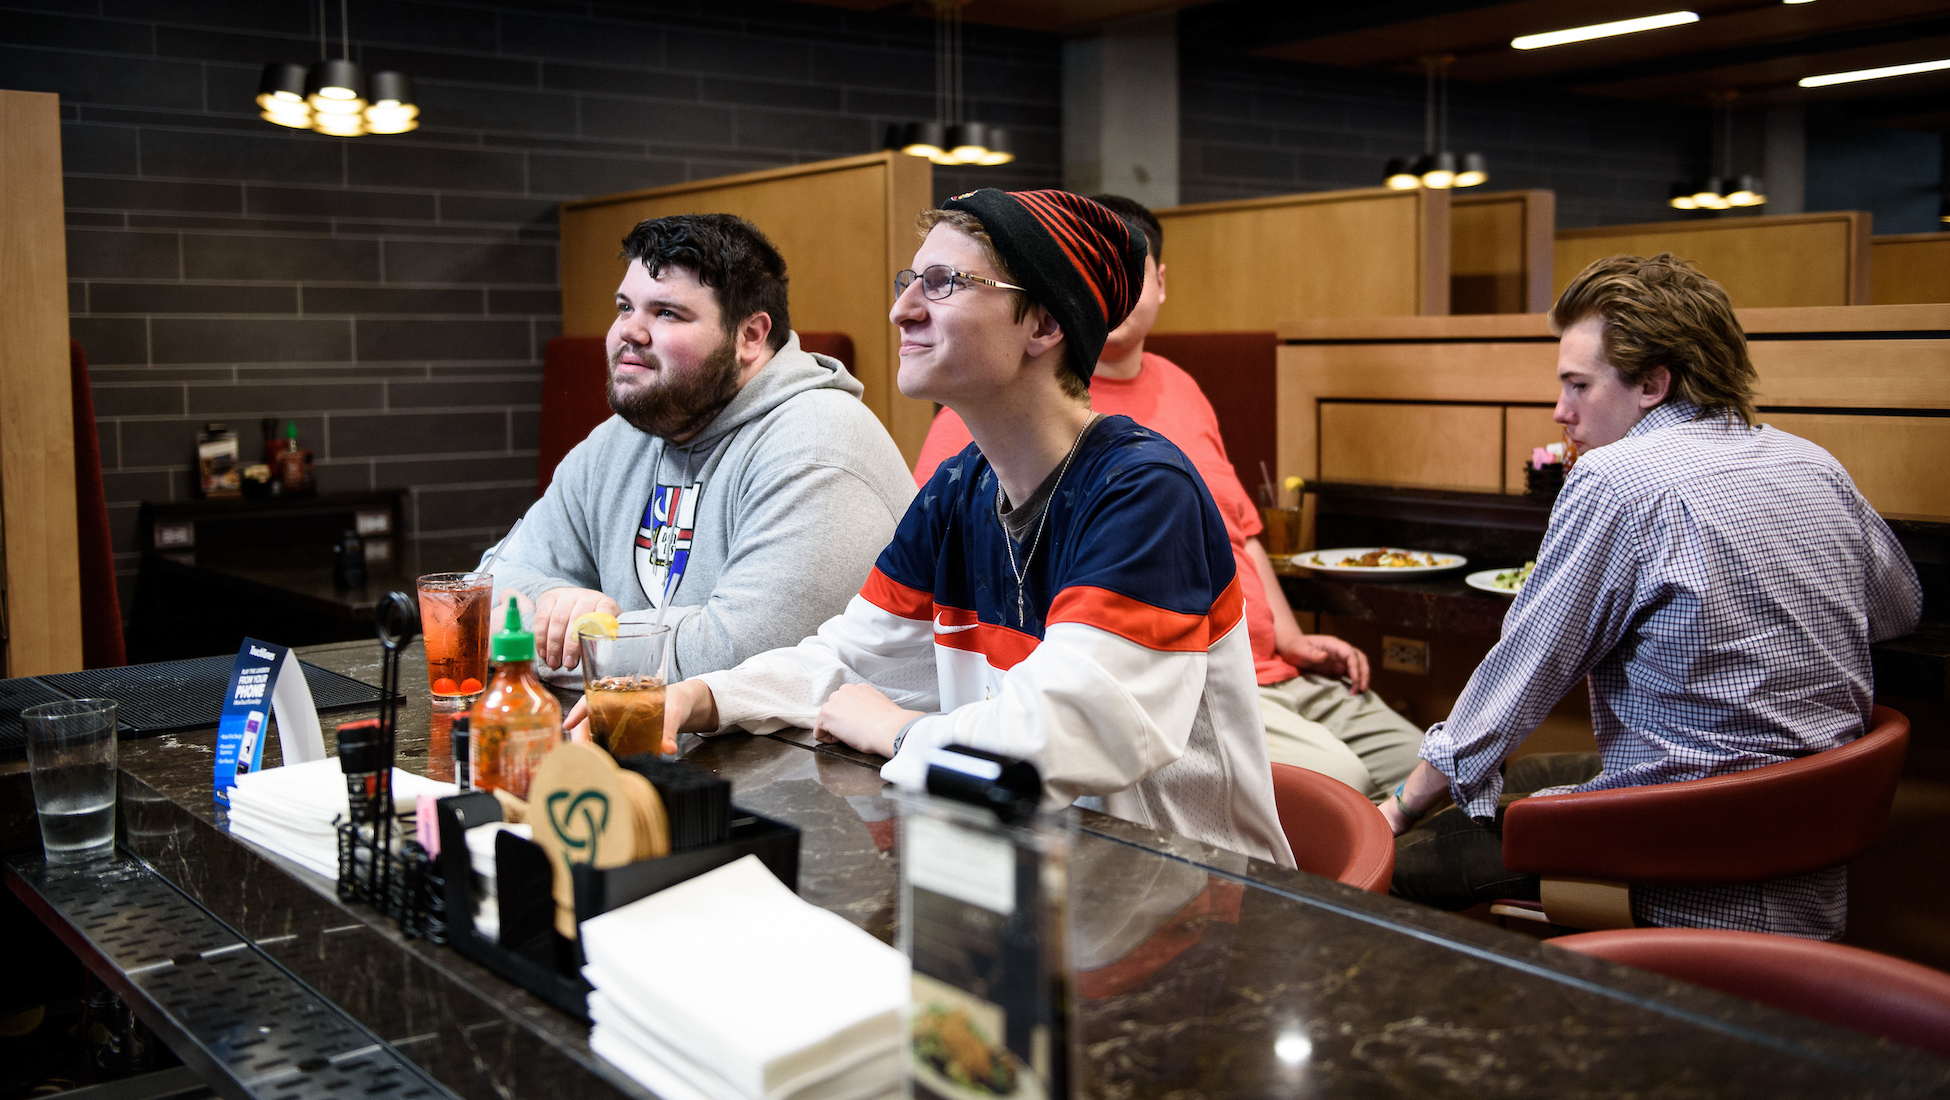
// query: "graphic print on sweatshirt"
[[663, 540]]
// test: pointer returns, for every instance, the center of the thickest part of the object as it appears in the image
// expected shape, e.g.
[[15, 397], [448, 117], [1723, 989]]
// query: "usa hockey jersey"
[[1127, 677]]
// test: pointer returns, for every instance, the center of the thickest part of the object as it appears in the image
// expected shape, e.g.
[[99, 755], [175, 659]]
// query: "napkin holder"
[[529, 951]]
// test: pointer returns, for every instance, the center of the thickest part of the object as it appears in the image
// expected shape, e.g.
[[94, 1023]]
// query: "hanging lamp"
[[1723, 190], [335, 96], [1437, 168], [951, 138]]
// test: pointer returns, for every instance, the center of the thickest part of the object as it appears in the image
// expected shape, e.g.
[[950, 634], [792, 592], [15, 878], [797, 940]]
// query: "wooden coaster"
[[653, 824], [583, 810]]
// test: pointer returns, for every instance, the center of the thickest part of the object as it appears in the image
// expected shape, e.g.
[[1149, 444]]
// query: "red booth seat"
[[575, 372], [1844, 986], [1335, 832], [1236, 371]]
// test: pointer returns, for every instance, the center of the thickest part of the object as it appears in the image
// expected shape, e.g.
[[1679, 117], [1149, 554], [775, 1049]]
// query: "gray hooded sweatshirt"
[[764, 524]]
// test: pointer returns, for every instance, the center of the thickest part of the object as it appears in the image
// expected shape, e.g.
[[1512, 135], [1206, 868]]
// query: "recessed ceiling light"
[[1604, 30], [1873, 74]]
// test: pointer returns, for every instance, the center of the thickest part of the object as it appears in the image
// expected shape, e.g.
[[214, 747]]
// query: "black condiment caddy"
[[433, 897], [529, 951]]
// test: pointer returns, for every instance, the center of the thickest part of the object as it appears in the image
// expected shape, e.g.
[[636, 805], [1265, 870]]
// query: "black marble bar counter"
[[1200, 973]]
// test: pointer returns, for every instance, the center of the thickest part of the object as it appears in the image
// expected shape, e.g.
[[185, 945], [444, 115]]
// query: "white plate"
[[1444, 563], [1485, 581]]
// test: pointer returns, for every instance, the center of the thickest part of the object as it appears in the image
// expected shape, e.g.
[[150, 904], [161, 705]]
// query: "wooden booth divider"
[[844, 227], [1501, 251], [1778, 260], [40, 609], [1458, 402], [1910, 268], [1248, 265]]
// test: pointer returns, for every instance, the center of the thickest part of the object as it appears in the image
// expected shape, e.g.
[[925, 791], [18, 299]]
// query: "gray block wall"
[[394, 294]]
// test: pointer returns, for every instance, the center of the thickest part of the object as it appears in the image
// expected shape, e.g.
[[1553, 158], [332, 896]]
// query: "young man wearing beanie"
[[1313, 688], [1063, 590]]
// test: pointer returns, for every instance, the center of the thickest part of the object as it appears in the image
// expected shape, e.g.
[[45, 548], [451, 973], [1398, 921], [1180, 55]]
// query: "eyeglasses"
[[939, 281]]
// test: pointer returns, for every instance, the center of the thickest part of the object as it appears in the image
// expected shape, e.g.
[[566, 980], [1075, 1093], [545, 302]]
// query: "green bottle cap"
[[511, 642], [291, 431]]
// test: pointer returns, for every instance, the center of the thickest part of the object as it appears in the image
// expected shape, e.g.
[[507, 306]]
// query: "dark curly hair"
[[727, 254], [1665, 312]]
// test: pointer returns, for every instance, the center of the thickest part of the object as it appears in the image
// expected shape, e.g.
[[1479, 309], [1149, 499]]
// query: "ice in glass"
[[454, 621], [622, 679]]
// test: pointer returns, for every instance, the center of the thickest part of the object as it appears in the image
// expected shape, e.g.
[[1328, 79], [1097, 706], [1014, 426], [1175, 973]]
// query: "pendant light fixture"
[[334, 96], [1437, 168], [1722, 190], [951, 138]]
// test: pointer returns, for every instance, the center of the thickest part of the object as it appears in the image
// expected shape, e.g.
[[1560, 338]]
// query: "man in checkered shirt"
[[1718, 582]]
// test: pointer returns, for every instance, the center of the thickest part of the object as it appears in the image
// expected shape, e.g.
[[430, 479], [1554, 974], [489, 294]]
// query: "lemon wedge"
[[599, 623]]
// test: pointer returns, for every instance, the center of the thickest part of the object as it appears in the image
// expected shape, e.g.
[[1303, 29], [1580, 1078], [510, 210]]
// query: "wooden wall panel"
[[1244, 266], [844, 227], [1431, 446], [1501, 251], [1525, 428], [1896, 461], [1840, 373], [1849, 359], [1913, 267], [37, 493], [1776, 260]]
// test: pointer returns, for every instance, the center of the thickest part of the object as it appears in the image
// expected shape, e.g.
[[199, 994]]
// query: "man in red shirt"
[[1313, 688]]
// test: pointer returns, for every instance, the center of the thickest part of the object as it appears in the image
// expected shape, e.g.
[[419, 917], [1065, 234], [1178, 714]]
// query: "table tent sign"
[[264, 671]]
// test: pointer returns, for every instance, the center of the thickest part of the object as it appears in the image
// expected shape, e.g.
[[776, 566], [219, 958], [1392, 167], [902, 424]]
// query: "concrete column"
[[1120, 110], [1785, 166]]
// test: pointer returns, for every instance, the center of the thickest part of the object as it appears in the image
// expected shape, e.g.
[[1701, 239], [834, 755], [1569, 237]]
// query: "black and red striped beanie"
[[1076, 258]]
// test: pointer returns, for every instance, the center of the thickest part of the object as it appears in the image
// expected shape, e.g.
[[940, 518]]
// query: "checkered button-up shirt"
[[1719, 584]]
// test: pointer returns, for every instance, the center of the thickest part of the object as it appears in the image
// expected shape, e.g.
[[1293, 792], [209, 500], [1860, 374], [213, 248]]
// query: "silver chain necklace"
[[1041, 521]]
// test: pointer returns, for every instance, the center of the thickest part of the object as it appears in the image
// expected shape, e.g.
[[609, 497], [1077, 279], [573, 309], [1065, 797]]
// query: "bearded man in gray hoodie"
[[741, 478]]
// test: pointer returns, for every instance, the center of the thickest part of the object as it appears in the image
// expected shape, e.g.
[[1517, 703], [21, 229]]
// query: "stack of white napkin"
[[290, 810], [486, 883], [729, 987]]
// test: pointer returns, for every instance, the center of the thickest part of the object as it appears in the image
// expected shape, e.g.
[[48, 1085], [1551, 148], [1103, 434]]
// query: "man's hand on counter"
[[555, 615], [859, 716]]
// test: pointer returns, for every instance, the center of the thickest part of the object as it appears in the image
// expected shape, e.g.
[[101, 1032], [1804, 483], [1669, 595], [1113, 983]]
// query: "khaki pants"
[[1318, 724]]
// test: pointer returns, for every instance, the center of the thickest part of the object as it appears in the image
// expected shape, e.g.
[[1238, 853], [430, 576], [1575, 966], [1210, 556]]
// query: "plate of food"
[[1503, 582], [1377, 561]]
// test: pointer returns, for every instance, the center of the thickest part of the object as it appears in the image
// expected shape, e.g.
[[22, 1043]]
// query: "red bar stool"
[[1844, 986], [1765, 823], [1335, 832]]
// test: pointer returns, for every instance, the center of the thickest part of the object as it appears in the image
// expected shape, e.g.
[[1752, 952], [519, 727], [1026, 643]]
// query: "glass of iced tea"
[[454, 621], [622, 678]]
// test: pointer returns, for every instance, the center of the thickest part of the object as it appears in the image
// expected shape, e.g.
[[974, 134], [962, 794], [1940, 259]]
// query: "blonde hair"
[[1665, 312], [961, 221]]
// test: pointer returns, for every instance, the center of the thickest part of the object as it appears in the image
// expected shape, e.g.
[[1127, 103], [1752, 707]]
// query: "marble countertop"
[[1200, 973]]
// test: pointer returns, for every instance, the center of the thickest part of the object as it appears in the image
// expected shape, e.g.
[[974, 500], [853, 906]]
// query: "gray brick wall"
[[394, 294], [1252, 127]]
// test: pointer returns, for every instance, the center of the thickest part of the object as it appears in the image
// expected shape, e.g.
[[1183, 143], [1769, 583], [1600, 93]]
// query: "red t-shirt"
[[1166, 400]]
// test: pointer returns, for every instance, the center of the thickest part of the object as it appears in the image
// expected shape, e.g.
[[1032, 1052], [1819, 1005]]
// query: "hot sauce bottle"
[[516, 721]]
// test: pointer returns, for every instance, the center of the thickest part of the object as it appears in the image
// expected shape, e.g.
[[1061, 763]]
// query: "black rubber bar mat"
[[16, 696], [173, 696]]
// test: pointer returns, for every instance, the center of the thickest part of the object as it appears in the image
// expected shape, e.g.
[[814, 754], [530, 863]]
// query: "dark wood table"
[[1204, 973]]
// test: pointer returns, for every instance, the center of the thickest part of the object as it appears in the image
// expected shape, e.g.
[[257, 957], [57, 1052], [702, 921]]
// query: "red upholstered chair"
[[1764, 823], [1235, 369], [1335, 832], [101, 611], [1844, 986], [575, 372]]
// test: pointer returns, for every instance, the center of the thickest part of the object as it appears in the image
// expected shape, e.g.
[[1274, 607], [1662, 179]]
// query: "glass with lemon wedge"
[[622, 679]]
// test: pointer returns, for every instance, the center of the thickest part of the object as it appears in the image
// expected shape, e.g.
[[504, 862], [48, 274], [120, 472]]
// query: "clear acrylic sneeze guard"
[[985, 922]]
